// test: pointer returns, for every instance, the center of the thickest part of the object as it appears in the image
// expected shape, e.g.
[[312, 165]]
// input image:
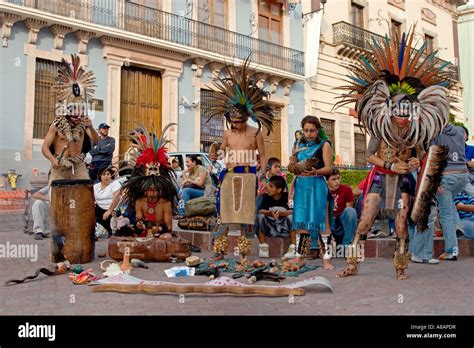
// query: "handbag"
[[200, 206]]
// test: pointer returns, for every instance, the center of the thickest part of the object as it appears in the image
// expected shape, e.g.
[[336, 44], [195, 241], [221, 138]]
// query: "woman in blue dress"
[[311, 197]]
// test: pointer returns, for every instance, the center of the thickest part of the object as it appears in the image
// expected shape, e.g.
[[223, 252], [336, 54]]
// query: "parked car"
[[181, 157]]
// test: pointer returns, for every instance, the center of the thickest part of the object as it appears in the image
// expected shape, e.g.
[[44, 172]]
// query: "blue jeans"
[[468, 225], [344, 226], [452, 185], [189, 193], [421, 243]]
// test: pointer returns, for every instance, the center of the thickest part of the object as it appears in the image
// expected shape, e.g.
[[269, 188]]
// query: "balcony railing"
[[345, 33], [170, 27]]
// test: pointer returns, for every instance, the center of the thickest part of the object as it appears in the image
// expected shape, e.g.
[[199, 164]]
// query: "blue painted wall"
[[12, 89], [295, 110], [98, 64], [45, 39], [296, 28], [186, 118]]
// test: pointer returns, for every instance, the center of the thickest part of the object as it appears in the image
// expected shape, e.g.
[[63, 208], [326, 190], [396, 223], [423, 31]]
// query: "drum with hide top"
[[72, 221]]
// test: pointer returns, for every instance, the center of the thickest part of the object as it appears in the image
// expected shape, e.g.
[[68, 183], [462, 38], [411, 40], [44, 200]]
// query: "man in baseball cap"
[[102, 152]]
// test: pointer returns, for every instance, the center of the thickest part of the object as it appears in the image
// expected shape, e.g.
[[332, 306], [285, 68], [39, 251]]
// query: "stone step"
[[374, 248]]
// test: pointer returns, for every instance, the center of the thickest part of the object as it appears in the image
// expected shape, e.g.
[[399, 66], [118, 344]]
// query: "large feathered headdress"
[[74, 84], [237, 96], [152, 149], [151, 167], [397, 86]]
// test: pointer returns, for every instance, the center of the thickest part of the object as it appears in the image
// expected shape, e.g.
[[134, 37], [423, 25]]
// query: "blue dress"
[[311, 196]]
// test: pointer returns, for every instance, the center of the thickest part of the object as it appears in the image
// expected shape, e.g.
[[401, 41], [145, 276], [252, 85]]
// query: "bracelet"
[[387, 165], [392, 167]]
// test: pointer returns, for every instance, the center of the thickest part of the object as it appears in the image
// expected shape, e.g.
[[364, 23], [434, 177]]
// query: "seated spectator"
[[41, 212], [469, 188], [345, 216], [175, 165], [104, 193], [196, 179], [217, 164], [275, 218], [465, 206], [273, 168]]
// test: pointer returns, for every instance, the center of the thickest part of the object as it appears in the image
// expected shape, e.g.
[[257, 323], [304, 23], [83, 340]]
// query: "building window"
[[396, 27], [211, 130], [155, 4], [45, 96], [213, 12], [360, 144], [357, 14], [429, 43], [270, 21], [328, 126]]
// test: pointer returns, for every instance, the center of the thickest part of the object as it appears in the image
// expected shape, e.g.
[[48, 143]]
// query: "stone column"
[[169, 110], [114, 76]]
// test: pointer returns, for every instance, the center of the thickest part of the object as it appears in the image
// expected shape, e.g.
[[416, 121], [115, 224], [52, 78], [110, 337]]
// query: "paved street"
[[432, 290]]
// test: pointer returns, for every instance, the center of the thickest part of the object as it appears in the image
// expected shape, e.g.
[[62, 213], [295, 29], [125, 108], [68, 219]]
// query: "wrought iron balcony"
[[171, 27], [361, 39]]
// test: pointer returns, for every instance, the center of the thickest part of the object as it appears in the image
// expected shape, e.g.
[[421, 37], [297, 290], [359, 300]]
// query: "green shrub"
[[348, 177], [353, 177]]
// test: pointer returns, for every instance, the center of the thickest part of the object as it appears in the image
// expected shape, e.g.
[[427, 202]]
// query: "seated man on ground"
[[274, 219], [345, 216]]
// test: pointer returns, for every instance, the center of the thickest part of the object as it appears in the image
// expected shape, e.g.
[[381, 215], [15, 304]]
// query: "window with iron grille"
[[328, 126], [212, 130], [45, 96], [360, 144]]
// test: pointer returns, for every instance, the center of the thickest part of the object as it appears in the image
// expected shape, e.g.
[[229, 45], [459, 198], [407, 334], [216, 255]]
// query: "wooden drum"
[[72, 221]]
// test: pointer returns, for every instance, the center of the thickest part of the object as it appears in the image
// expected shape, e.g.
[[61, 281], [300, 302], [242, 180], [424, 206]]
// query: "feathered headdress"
[[152, 149], [74, 84], [151, 167], [237, 96], [397, 85]]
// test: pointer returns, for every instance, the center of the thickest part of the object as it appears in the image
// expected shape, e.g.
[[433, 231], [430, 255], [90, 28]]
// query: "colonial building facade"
[[347, 28], [154, 61], [466, 52]]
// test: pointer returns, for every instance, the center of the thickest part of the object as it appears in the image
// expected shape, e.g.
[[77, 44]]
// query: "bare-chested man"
[[238, 99], [388, 188], [66, 145], [239, 152], [154, 214]]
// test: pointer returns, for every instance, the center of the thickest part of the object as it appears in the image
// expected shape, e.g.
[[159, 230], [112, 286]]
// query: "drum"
[[72, 221]]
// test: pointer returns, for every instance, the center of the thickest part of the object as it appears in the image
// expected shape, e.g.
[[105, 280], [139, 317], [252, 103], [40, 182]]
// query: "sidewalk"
[[432, 289]]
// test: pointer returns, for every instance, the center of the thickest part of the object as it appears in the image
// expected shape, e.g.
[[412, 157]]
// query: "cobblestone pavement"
[[443, 289]]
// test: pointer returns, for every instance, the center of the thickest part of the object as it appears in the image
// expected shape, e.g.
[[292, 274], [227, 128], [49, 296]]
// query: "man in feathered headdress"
[[69, 136], [152, 187], [403, 102], [239, 99]]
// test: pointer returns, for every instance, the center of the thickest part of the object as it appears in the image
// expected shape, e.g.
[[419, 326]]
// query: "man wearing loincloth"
[[70, 135], [239, 99], [402, 99]]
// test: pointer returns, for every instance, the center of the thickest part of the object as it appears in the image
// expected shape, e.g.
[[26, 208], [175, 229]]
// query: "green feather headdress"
[[237, 95]]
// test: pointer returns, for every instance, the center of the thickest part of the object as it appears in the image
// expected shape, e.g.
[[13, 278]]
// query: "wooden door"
[[140, 102], [273, 140]]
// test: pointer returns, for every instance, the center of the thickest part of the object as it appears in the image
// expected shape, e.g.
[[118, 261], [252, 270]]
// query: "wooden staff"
[[200, 289]]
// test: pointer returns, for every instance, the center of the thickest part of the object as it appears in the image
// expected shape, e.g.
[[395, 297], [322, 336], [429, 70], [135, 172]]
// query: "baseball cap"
[[103, 125]]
